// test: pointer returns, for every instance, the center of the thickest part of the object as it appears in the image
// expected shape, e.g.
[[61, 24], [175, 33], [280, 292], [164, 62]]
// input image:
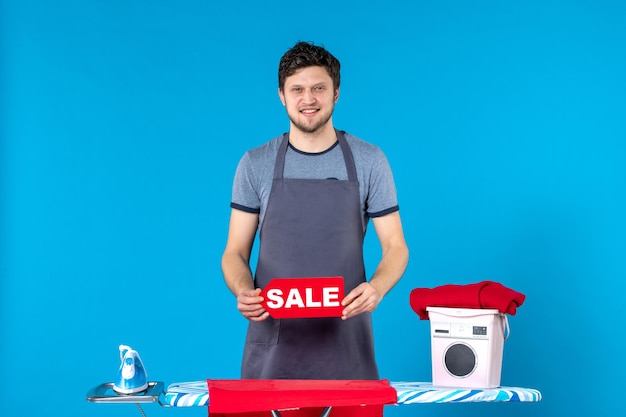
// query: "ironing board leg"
[[325, 412]]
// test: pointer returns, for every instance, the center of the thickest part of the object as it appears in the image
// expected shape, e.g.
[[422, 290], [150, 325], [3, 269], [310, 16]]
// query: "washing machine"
[[467, 346]]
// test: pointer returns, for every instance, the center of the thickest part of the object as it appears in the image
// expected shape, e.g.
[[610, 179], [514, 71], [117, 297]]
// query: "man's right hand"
[[249, 305]]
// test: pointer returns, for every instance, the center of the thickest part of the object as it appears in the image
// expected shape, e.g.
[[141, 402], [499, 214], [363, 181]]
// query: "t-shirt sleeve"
[[382, 197], [244, 195]]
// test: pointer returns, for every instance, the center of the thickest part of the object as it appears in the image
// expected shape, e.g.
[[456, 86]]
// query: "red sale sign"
[[303, 297]]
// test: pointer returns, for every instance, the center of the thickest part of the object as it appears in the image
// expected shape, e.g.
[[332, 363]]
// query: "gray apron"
[[312, 228]]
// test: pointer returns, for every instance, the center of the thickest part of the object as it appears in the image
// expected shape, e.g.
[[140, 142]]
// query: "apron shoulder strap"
[[279, 166], [347, 155]]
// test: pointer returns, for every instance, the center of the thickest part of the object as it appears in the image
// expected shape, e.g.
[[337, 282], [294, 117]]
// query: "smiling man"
[[310, 193]]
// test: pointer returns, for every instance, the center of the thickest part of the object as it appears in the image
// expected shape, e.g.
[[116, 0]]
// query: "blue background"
[[122, 123]]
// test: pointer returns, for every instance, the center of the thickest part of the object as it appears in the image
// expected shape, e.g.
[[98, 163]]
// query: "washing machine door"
[[459, 360]]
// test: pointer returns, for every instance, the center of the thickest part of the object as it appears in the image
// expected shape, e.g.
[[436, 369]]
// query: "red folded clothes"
[[485, 294], [301, 398]]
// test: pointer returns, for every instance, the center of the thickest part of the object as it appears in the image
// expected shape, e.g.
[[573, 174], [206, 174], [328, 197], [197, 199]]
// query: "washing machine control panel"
[[459, 330]]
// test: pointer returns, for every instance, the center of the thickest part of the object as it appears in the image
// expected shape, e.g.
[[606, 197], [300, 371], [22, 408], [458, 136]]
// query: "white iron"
[[132, 377]]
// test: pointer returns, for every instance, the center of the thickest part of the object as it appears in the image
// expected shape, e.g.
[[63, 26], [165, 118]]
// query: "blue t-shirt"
[[254, 175]]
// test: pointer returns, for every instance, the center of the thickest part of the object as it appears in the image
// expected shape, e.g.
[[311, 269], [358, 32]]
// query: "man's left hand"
[[364, 298]]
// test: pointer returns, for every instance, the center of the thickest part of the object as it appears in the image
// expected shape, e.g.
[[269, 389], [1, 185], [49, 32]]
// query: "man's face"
[[309, 98]]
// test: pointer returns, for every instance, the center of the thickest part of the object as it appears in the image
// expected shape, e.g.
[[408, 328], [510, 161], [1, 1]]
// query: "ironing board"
[[196, 394]]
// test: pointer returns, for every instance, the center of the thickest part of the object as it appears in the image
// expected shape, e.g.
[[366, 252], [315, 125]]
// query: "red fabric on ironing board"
[[255, 398], [485, 294], [352, 411]]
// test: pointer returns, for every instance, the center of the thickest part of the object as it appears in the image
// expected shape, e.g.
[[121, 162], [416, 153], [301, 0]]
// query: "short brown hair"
[[306, 54]]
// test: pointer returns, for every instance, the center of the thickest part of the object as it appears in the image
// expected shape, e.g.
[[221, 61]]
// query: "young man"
[[310, 193]]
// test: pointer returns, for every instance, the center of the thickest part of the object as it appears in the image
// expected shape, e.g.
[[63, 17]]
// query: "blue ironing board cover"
[[195, 394]]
